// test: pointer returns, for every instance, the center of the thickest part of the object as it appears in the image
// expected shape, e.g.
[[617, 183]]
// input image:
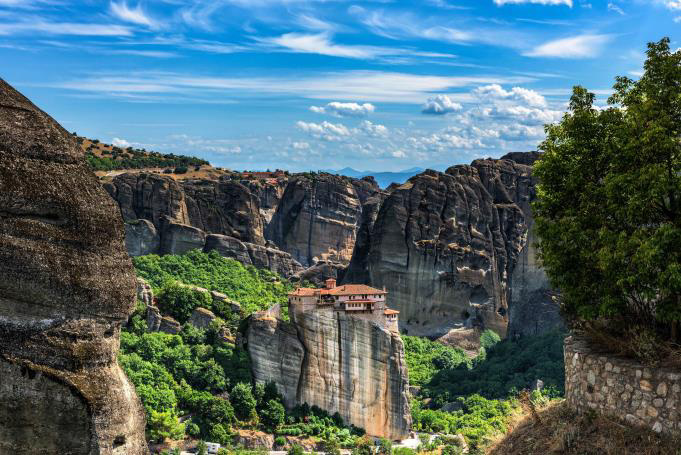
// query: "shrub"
[[272, 416], [179, 301], [243, 402]]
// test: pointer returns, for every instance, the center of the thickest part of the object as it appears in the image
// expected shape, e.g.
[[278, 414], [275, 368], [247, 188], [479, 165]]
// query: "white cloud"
[[398, 154], [136, 15], [540, 2], [581, 46], [372, 129], [120, 143], [440, 105], [326, 130], [524, 95], [338, 109], [615, 8], [64, 28], [672, 4], [301, 145], [360, 85]]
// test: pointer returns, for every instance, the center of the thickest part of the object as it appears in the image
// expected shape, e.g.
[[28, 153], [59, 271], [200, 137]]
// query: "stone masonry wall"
[[622, 387]]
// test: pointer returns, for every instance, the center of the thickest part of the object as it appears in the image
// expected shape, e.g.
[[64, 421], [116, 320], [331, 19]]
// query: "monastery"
[[357, 299]]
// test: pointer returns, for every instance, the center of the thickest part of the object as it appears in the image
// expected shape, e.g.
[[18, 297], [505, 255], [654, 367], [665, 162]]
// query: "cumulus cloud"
[[672, 4], [338, 109], [440, 105], [326, 130], [118, 142], [526, 96], [372, 129], [581, 46]]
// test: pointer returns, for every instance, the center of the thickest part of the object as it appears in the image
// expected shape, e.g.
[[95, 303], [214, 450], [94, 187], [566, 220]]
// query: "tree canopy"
[[608, 212]]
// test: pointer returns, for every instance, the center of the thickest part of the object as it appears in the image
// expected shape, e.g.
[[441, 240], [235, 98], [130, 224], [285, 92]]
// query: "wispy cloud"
[[613, 7], [539, 2], [581, 46], [135, 15], [63, 28], [365, 86]]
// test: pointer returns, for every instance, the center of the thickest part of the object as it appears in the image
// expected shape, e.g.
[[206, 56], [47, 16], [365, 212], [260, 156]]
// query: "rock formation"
[[337, 362], [446, 246], [317, 218], [66, 287]]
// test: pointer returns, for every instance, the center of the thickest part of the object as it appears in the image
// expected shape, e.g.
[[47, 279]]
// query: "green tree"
[[243, 402], [164, 425], [201, 448], [295, 450], [609, 200], [384, 447], [363, 446], [179, 301], [273, 415]]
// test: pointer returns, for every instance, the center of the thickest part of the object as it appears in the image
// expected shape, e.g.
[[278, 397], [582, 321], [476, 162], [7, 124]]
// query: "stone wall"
[[621, 387]]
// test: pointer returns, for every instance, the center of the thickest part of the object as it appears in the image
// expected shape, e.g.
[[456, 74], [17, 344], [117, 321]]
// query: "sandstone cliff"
[[337, 362], [317, 218], [66, 287], [446, 246]]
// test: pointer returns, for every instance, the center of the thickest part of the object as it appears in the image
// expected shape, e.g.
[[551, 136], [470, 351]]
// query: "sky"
[[379, 85]]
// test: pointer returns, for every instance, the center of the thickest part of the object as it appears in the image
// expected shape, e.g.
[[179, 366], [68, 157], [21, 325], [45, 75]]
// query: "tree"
[[609, 201], [164, 425], [273, 415], [295, 450], [363, 446], [201, 448], [331, 446], [384, 447], [243, 402], [179, 301]]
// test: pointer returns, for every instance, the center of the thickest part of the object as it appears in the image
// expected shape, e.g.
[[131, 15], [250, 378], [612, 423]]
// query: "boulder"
[[169, 325], [145, 294], [265, 257], [141, 238], [249, 439], [153, 319], [180, 238], [67, 287], [219, 298], [228, 247], [201, 318]]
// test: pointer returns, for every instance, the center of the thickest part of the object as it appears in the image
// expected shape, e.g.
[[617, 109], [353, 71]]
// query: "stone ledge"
[[621, 387]]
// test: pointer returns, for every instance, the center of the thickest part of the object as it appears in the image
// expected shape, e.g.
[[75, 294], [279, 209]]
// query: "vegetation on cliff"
[[609, 207], [105, 157]]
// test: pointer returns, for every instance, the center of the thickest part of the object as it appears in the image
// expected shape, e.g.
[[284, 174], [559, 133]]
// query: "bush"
[[272, 416], [279, 441], [179, 301], [243, 402]]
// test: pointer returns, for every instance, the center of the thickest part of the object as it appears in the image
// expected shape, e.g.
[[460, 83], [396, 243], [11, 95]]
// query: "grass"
[[558, 430]]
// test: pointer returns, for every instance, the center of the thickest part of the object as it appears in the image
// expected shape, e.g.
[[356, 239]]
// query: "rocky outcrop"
[[219, 206], [317, 219], [262, 257], [268, 194], [320, 272], [358, 269], [66, 287], [337, 362], [445, 245], [141, 238], [202, 318]]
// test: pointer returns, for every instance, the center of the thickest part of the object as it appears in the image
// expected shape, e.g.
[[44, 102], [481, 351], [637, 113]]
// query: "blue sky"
[[378, 85]]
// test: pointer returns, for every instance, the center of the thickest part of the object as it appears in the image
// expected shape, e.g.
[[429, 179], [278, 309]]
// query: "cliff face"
[[66, 287], [446, 245], [217, 207], [338, 363], [317, 219]]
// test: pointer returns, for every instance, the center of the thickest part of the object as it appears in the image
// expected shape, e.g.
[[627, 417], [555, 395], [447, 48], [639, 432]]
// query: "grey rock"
[[169, 325], [181, 238], [202, 318], [141, 238]]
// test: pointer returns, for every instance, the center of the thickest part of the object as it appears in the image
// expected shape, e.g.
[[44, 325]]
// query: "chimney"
[[330, 283]]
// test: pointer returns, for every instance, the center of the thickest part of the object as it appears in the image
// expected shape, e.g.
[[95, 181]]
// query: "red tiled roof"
[[303, 292], [352, 289], [389, 311]]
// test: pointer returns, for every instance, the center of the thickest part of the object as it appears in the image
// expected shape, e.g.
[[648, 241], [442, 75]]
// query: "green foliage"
[[254, 289], [384, 447], [273, 414], [201, 448], [508, 366], [476, 420], [451, 450], [179, 301], [489, 338], [425, 358], [164, 425], [295, 450], [279, 441], [243, 402], [609, 207], [363, 447], [403, 451], [138, 159]]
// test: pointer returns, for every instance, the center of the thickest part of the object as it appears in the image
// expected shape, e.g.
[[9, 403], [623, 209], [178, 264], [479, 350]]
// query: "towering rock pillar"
[[66, 287]]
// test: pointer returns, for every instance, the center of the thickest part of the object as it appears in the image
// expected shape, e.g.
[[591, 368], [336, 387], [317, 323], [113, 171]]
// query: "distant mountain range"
[[383, 179]]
